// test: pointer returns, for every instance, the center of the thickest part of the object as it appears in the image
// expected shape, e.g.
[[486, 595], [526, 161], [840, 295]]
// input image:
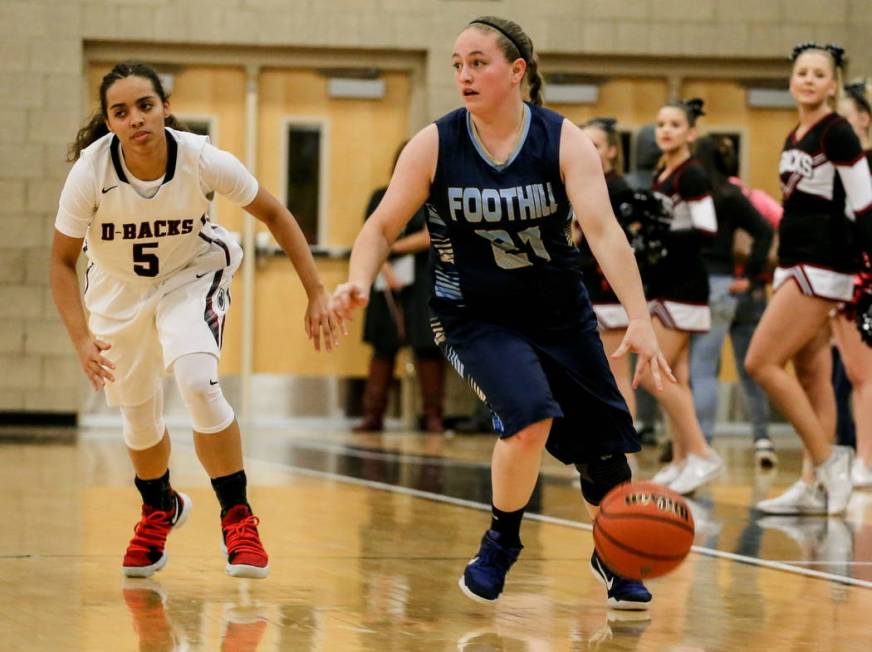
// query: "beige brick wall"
[[41, 67]]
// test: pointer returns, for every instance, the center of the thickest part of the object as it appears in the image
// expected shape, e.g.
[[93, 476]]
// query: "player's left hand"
[[321, 319], [641, 339], [739, 286]]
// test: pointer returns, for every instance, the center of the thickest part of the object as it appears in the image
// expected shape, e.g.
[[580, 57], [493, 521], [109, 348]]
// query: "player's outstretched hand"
[[347, 298], [320, 320], [95, 365], [640, 338]]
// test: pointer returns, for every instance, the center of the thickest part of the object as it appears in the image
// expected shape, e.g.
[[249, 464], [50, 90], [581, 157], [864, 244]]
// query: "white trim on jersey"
[[858, 186], [611, 316], [688, 214], [820, 182], [702, 214], [687, 317], [817, 282]]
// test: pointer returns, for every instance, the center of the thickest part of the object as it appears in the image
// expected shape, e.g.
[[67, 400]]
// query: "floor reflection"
[[362, 569], [162, 624], [724, 516]]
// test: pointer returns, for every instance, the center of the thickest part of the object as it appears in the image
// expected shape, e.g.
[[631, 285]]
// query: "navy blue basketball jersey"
[[825, 184], [500, 234]]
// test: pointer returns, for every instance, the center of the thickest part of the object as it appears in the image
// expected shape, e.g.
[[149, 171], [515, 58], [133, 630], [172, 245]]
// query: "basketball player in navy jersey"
[[679, 291], [610, 314], [856, 354], [824, 179], [157, 292], [500, 178]]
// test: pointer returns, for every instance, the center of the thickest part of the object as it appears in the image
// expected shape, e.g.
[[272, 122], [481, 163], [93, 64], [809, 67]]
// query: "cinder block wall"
[[41, 99]]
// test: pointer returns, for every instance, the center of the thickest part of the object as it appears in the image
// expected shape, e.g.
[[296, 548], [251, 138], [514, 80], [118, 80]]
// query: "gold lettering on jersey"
[[146, 230], [491, 205]]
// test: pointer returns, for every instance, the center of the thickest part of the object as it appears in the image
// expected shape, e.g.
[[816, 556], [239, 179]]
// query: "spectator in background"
[[734, 211]]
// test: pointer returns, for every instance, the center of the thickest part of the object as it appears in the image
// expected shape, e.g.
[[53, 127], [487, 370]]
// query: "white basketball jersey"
[[137, 239]]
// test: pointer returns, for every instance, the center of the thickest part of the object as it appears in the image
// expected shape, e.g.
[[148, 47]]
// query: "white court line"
[[806, 562], [701, 550], [788, 567]]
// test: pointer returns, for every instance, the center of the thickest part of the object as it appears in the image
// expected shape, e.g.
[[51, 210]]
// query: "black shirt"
[[734, 211]]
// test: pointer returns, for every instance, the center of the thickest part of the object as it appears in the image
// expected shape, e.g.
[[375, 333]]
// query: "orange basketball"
[[643, 530]]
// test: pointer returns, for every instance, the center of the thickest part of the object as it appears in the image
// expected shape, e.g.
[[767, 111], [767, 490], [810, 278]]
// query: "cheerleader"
[[824, 175], [678, 289]]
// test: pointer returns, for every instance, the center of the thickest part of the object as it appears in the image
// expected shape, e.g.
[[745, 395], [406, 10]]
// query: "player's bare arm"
[[407, 191], [585, 185], [284, 228], [65, 289]]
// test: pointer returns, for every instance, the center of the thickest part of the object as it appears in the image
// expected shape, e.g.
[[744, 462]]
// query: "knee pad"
[[601, 475], [143, 423], [197, 379]]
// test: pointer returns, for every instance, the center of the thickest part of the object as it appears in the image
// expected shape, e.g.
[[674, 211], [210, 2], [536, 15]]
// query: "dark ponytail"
[[515, 44], [692, 109], [96, 127]]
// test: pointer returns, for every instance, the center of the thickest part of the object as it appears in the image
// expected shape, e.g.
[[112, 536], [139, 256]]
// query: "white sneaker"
[[764, 453], [668, 474], [861, 475], [800, 498], [835, 476], [696, 472]]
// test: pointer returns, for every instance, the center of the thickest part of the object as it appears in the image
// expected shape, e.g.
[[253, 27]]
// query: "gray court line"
[[701, 550], [806, 562]]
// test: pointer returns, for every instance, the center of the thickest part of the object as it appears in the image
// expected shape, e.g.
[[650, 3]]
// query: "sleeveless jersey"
[[500, 234], [136, 239], [825, 186], [681, 274]]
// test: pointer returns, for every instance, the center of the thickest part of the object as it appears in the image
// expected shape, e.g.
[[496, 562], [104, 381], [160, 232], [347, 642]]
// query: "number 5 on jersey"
[[145, 263], [508, 254]]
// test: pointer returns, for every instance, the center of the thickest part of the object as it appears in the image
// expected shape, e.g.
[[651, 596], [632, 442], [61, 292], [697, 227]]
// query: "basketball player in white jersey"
[[157, 293]]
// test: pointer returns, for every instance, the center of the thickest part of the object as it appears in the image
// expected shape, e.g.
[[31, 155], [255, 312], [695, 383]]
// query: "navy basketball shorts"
[[526, 375]]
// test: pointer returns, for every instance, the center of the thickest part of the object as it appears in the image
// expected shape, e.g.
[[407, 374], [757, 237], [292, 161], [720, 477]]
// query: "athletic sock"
[[156, 493], [230, 490], [507, 524]]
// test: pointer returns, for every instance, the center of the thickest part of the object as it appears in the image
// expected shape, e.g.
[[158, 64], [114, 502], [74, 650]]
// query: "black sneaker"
[[622, 593], [485, 575]]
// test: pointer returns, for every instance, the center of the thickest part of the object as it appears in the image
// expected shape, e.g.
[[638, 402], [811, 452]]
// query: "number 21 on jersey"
[[509, 254]]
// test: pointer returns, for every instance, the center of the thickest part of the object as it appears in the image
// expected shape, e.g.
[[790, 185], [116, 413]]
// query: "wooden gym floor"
[[367, 537]]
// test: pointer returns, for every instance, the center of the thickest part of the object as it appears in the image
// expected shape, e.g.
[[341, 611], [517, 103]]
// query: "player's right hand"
[[347, 298], [95, 365]]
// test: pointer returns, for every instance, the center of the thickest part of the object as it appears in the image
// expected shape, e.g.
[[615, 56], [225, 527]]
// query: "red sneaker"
[[242, 547], [145, 553]]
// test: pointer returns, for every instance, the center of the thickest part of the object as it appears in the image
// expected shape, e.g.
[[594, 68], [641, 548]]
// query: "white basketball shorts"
[[151, 326]]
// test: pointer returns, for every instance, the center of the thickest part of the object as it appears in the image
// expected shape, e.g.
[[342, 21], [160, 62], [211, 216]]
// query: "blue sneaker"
[[485, 575], [623, 593]]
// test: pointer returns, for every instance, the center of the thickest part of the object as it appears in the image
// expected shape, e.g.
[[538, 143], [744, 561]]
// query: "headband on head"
[[835, 51], [504, 33]]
